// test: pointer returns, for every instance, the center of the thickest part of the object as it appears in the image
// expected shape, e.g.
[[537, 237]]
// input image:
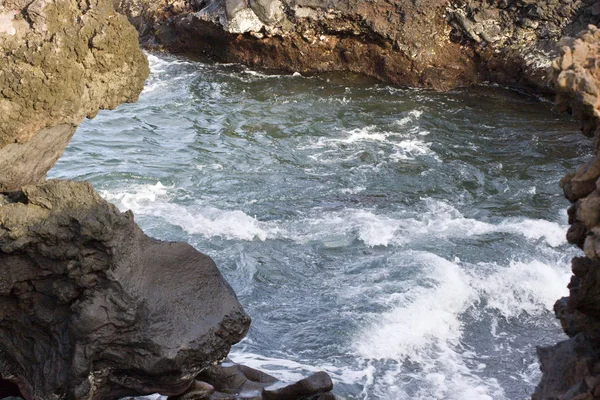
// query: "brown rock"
[[92, 308], [56, 74]]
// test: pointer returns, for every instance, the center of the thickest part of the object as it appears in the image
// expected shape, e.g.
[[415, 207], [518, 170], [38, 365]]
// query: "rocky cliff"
[[63, 60], [436, 43], [571, 369]]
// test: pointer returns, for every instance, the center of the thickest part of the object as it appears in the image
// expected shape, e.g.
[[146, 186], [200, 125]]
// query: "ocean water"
[[410, 243]]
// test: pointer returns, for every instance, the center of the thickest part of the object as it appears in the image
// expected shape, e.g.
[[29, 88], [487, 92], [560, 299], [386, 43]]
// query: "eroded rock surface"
[[62, 60], [92, 308], [436, 43], [516, 40], [571, 369]]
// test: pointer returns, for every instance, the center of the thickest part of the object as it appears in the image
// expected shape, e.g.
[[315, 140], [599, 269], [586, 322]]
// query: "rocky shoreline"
[[92, 308], [433, 43], [571, 369]]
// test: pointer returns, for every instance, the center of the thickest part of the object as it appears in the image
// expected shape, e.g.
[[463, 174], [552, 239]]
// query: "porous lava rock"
[[433, 43], [571, 369], [62, 61], [92, 308]]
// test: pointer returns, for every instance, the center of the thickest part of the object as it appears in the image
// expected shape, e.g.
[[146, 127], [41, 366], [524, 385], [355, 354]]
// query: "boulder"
[[92, 308]]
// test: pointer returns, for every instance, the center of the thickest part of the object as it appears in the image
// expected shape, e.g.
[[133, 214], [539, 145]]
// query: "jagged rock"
[[92, 308], [571, 369], [314, 385], [576, 73], [9, 390], [62, 60], [400, 41], [235, 381], [436, 43]]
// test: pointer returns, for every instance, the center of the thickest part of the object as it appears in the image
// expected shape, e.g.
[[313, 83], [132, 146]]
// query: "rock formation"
[[230, 380], [516, 40], [91, 308], [571, 369], [62, 60], [436, 43]]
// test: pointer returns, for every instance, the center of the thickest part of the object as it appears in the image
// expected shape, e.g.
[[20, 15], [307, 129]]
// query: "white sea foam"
[[424, 324], [440, 220], [406, 145], [522, 287], [158, 67], [409, 149], [288, 370], [425, 316], [412, 116], [154, 200], [425, 328]]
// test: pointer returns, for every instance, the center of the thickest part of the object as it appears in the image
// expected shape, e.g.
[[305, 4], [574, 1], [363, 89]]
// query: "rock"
[[571, 369], [198, 390], [92, 308], [564, 368], [575, 75], [433, 43], [234, 381], [233, 378], [63, 60], [315, 384]]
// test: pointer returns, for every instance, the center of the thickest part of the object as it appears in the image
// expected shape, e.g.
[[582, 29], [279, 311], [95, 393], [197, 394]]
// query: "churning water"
[[409, 243]]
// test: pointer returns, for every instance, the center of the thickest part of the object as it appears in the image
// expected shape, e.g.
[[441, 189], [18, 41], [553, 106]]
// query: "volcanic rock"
[[235, 381], [434, 43], [571, 369], [92, 308], [62, 60]]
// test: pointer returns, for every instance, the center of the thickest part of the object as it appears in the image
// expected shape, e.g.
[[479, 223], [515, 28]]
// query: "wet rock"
[[92, 308], [198, 390], [9, 390], [315, 384], [62, 61], [570, 370], [233, 378], [435, 43], [234, 381], [398, 41]]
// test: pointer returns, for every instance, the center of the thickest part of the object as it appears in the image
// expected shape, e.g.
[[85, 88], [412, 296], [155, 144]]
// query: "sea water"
[[410, 243]]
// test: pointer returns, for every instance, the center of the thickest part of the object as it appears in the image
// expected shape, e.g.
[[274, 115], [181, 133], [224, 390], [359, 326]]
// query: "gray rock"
[[92, 308], [55, 73]]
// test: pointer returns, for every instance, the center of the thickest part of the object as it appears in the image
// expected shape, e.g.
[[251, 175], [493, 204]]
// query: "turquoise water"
[[410, 243]]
